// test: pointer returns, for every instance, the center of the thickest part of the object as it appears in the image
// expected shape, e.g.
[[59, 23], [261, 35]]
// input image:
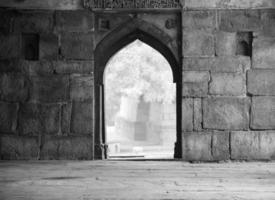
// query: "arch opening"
[[139, 104]]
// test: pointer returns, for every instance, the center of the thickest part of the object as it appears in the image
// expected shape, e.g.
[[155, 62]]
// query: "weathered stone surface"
[[220, 145], [71, 67], [268, 19], [218, 64], [198, 19], [18, 147], [48, 46], [50, 88], [6, 18], [13, 87], [8, 117], [10, 46], [82, 118], [225, 43], [196, 146], [66, 113], [197, 43], [75, 21], [35, 119], [195, 83], [263, 113], [71, 148], [263, 53], [187, 114], [252, 145], [14, 65], [225, 113], [197, 114], [77, 46], [81, 88], [38, 68], [227, 84], [261, 82], [33, 22], [240, 20]]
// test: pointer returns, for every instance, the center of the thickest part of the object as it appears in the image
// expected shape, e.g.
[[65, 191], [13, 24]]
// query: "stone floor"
[[85, 180]]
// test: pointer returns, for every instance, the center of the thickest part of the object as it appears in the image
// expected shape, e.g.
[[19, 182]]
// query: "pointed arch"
[[112, 43]]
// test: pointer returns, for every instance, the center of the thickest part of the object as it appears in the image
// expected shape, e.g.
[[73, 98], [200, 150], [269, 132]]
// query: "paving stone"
[[37, 119], [225, 43], [232, 84], [69, 148], [14, 87], [225, 113], [197, 43], [77, 46], [240, 20], [253, 145], [8, 117], [81, 88], [187, 114], [263, 113], [82, 118], [263, 52], [75, 21], [53, 88], [198, 19], [19, 147], [261, 82]]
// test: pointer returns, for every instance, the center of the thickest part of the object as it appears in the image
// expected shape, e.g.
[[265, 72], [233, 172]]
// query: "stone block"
[[6, 19], [197, 43], [66, 111], [8, 117], [10, 46], [225, 43], [33, 22], [14, 65], [240, 20], [38, 68], [187, 114], [268, 20], [77, 46], [81, 88], [53, 88], [14, 87], [220, 145], [69, 148], [231, 84], [263, 113], [263, 53], [195, 83], [253, 145], [218, 64], [223, 113], [37, 119], [261, 82], [74, 21], [48, 47], [19, 147], [197, 114], [74, 67], [82, 118], [196, 146], [198, 19]]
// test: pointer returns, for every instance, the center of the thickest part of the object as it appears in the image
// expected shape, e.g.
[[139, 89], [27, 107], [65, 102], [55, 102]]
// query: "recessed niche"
[[244, 43], [30, 46]]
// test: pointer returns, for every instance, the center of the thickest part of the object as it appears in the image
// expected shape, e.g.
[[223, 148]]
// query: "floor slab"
[[85, 180]]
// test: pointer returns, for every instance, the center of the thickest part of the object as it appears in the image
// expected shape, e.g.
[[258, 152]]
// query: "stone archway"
[[114, 41]]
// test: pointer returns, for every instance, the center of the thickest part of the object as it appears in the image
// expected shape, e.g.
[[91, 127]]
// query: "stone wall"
[[46, 98], [46, 101], [228, 88]]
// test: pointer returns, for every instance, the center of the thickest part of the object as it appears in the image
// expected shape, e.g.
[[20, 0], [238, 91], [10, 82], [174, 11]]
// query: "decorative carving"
[[131, 4]]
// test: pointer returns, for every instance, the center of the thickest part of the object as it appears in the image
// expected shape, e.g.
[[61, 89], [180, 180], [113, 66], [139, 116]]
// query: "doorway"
[[140, 104]]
